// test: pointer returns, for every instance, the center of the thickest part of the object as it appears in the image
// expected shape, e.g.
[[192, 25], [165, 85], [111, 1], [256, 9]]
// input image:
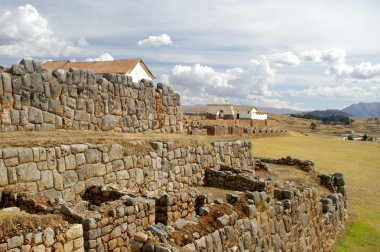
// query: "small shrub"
[[350, 137]]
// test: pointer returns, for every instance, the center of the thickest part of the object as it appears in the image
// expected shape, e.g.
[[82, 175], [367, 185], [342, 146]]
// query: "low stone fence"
[[171, 207], [237, 181], [68, 238], [220, 130], [305, 165], [113, 225]]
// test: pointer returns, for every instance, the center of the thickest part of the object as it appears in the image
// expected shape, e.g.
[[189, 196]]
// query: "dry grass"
[[360, 163], [360, 126], [12, 222], [54, 138]]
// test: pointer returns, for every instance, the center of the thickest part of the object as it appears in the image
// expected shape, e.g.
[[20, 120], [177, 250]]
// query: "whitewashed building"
[[229, 111], [135, 68], [247, 112]]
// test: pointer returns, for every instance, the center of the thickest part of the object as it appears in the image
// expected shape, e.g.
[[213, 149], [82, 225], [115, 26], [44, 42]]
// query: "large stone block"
[[27, 172], [69, 179], [115, 152], [35, 115], [36, 83], [55, 107], [93, 156], [25, 155], [108, 122], [3, 174]]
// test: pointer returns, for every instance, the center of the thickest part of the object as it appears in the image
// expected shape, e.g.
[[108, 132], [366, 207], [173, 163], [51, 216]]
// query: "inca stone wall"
[[64, 238], [298, 223], [65, 171], [32, 98]]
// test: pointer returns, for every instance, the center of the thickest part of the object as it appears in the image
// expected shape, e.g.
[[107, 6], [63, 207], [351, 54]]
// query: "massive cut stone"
[[35, 115], [93, 156], [27, 172], [3, 174], [108, 122], [116, 152], [36, 83], [69, 179]]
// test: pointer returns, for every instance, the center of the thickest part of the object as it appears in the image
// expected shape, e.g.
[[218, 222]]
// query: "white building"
[[221, 111], [247, 112], [135, 68], [229, 111]]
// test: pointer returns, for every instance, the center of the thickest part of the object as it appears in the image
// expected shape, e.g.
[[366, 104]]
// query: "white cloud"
[[311, 55], [156, 41], [102, 57], [25, 33], [284, 59], [338, 91]]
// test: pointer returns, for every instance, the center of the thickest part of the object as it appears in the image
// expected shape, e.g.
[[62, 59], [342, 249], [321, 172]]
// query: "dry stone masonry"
[[32, 98]]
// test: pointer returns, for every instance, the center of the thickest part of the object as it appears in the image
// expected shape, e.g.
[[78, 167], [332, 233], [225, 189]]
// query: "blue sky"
[[296, 54]]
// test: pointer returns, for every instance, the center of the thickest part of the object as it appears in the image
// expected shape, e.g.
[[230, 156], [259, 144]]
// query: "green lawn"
[[360, 163]]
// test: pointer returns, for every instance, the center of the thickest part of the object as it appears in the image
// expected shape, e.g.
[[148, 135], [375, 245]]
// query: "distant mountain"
[[363, 109], [326, 113], [330, 116], [279, 111]]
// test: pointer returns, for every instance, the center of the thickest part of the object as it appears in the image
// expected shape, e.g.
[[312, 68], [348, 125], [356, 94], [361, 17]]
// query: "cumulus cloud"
[[156, 41], [311, 55], [338, 91], [25, 33], [102, 57], [284, 59]]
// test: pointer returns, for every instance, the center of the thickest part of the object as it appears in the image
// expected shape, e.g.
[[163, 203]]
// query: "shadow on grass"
[[359, 237]]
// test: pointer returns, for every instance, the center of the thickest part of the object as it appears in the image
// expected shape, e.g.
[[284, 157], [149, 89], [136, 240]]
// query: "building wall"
[[256, 116], [138, 73], [215, 110]]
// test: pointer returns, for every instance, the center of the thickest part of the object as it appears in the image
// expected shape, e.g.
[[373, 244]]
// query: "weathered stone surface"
[[108, 122], [3, 174], [35, 115], [74, 232], [115, 152], [48, 237], [15, 242], [141, 237], [93, 156], [28, 172], [69, 179]]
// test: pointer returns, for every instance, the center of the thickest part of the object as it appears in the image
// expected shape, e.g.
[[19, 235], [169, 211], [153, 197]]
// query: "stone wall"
[[233, 130], [241, 181], [32, 98], [63, 239], [300, 223], [65, 171], [171, 207], [113, 226]]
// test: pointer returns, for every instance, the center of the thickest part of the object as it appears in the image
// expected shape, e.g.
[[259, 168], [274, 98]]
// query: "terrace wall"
[[32, 98], [65, 171]]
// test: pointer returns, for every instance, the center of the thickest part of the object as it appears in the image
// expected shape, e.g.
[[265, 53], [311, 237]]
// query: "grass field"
[[360, 126], [360, 163]]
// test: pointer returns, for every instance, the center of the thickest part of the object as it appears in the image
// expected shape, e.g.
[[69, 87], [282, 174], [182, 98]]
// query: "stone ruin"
[[32, 98], [97, 197], [110, 201]]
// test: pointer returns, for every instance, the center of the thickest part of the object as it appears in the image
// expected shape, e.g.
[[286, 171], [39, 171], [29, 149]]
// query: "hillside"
[[360, 126], [363, 109]]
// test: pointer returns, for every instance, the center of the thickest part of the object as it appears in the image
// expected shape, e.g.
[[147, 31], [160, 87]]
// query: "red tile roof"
[[99, 67]]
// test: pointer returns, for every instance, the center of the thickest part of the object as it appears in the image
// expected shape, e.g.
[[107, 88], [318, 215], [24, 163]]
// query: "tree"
[[365, 137], [350, 137], [313, 126]]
